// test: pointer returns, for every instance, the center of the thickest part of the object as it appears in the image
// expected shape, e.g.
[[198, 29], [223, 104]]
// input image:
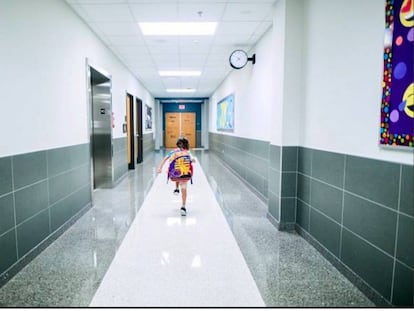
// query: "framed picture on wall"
[[397, 106], [225, 114], [148, 117]]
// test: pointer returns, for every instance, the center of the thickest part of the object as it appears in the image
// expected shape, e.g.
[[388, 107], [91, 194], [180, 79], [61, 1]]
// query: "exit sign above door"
[[181, 107]]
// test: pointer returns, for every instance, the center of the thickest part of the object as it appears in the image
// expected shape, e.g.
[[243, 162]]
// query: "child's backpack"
[[180, 168]]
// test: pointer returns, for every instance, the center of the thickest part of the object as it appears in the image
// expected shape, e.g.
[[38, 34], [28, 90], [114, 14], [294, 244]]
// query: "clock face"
[[238, 59]]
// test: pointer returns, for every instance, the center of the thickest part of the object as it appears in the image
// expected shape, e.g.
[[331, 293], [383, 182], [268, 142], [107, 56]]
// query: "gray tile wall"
[[249, 158], [120, 159], [289, 167], [39, 193], [274, 183], [359, 212], [148, 144], [198, 139], [362, 212], [283, 186]]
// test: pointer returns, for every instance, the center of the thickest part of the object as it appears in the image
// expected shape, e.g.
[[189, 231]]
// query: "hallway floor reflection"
[[287, 270]]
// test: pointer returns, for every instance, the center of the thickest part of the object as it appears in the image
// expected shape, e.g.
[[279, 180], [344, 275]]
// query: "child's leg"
[[184, 192], [176, 190], [183, 210]]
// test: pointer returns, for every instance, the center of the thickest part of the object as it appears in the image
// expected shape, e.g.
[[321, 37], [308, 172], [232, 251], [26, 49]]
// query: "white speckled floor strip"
[[167, 260]]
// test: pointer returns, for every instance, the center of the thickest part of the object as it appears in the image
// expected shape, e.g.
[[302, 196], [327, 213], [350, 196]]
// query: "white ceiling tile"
[[257, 2], [192, 61], [247, 12], [171, 83], [203, 12], [232, 40], [116, 23], [102, 1], [118, 28], [136, 40], [201, 1], [262, 28], [166, 62], [131, 53], [152, 1], [154, 12], [237, 28], [160, 44], [108, 12]]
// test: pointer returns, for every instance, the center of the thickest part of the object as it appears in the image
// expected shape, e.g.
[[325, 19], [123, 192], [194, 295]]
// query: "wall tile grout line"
[[14, 208], [354, 194], [396, 236], [297, 181], [49, 206], [32, 184], [310, 190], [311, 167], [343, 266], [345, 227], [47, 191], [343, 209], [7, 231], [68, 171], [6, 194]]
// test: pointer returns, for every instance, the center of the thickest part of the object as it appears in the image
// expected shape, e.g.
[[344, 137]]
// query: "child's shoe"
[[176, 191], [183, 211]]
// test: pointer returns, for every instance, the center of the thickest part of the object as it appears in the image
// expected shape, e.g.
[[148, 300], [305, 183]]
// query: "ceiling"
[[241, 23]]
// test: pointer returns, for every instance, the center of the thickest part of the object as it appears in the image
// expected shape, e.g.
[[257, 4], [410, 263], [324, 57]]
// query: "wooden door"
[[180, 125], [172, 129], [188, 121]]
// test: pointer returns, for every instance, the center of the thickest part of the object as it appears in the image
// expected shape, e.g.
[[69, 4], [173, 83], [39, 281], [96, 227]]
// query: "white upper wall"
[[252, 87], [344, 43], [44, 46], [323, 88], [277, 53]]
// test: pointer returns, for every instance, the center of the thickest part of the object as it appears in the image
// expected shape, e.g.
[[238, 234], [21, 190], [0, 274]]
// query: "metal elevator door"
[[101, 139]]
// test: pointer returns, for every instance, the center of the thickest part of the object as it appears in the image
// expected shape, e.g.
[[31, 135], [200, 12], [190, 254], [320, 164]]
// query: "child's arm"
[[193, 158], [159, 170]]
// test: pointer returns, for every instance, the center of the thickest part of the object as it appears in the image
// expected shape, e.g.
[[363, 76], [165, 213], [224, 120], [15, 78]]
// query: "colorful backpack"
[[180, 168]]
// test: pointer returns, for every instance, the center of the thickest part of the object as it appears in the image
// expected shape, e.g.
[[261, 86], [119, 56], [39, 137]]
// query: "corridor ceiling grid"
[[241, 23]]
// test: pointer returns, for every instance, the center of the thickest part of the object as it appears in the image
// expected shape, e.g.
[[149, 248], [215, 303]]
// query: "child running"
[[182, 145]]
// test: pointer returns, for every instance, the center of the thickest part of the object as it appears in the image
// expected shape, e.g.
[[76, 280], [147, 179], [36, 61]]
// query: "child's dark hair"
[[182, 143]]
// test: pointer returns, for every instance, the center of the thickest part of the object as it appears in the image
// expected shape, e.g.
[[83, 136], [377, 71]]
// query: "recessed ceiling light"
[[180, 90], [178, 29], [179, 73]]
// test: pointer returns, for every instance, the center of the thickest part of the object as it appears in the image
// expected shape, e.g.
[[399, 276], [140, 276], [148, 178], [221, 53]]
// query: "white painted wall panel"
[[43, 51]]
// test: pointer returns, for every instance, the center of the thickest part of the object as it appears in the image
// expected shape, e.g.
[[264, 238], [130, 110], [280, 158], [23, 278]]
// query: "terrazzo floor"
[[281, 267]]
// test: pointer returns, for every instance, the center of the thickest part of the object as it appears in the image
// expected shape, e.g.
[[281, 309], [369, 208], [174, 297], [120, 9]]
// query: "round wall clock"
[[238, 59]]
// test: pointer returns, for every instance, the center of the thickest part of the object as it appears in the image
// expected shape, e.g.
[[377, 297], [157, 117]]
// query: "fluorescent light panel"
[[178, 29], [180, 90], [179, 73]]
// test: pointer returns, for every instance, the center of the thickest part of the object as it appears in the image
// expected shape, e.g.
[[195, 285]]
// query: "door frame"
[[138, 129], [130, 131], [88, 65]]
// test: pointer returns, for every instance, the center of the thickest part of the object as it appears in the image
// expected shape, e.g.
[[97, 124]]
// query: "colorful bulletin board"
[[397, 107], [225, 114]]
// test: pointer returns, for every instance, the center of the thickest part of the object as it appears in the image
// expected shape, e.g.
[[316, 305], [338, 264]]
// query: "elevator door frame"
[[110, 170]]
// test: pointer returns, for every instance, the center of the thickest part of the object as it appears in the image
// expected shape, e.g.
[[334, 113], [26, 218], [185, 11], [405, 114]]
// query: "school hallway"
[[302, 120], [133, 249]]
